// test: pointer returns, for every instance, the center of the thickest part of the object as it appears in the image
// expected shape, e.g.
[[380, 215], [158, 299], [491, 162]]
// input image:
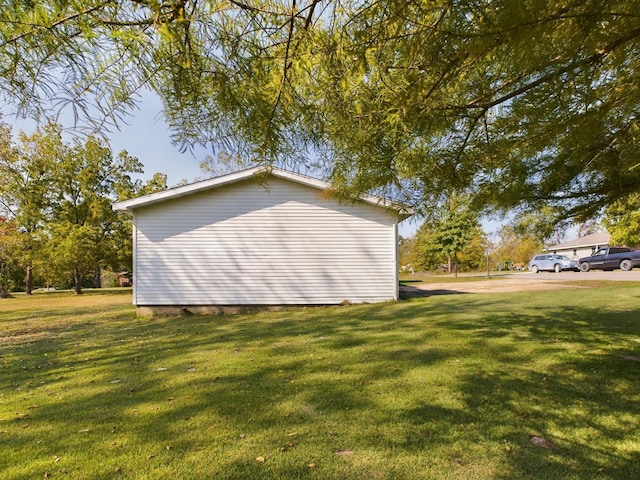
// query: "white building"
[[261, 237], [581, 247]]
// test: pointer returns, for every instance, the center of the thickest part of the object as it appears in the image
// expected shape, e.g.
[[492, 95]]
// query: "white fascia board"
[[171, 193], [132, 204]]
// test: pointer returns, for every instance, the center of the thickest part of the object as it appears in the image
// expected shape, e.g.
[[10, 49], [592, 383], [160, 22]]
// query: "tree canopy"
[[622, 220], [453, 238], [55, 206], [517, 103]]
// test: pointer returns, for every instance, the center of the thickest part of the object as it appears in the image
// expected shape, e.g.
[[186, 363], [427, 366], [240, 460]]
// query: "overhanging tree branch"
[[55, 24], [590, 60]]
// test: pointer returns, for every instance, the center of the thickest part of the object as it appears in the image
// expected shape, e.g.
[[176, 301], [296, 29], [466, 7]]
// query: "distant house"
[[261, 237], [581, 247]]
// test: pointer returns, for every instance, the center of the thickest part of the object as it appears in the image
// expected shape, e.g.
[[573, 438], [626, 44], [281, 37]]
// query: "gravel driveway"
[[515, 282]]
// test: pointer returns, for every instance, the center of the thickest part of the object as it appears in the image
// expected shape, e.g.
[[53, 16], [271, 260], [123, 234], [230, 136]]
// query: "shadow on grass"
[[451, 387], [87, 291], [407, 292]]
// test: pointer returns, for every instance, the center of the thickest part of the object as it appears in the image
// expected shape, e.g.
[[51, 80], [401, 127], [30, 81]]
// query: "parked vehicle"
[[552, 263], [610, 258]]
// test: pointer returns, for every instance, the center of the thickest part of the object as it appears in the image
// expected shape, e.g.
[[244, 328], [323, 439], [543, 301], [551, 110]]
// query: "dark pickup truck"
[[610, 258]]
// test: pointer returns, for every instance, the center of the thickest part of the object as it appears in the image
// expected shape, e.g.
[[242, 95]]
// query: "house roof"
[[197, 187], [601, 238]]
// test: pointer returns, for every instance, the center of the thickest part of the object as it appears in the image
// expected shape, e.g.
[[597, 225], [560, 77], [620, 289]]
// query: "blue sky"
[[148, 138]]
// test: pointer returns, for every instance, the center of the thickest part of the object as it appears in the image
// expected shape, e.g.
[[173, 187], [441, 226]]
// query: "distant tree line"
[[453, 240], [423, 251], [57, 227]]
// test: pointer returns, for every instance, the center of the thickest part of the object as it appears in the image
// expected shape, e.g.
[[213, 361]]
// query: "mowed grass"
[[540, 385]]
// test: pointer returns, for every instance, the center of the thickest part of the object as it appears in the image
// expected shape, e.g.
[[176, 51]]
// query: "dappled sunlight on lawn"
[[443, 387]]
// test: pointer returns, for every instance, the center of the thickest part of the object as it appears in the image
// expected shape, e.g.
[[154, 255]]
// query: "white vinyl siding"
[[244, 244]]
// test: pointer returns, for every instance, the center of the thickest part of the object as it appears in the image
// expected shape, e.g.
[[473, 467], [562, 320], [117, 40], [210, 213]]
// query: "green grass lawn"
[[540, 385]]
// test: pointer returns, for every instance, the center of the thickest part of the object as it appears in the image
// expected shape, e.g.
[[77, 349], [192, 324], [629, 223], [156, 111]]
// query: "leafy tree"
[[622, 220], [517, 247], [121, 245], [423, 255], [541, 225], [455, 231], [519, 104], [58, 197], [406, 253], [84, 230], [25, 193], [473, 256], [156, 183], [9, 240], [455, 238]]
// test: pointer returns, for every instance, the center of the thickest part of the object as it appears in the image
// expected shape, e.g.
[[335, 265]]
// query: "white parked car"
[[552, 263]]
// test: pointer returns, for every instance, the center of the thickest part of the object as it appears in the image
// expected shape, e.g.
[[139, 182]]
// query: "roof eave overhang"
[[129, 206]]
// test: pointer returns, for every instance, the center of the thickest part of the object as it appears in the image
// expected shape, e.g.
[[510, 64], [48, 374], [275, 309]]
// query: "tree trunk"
[[4, 289], [28, 287], [77, 278], [455, 265], [97, 279], [488, 264]]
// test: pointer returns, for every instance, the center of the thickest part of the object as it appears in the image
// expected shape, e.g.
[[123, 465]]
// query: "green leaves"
[[622, 220], [452, 236], [58, 197], [519, 104]]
